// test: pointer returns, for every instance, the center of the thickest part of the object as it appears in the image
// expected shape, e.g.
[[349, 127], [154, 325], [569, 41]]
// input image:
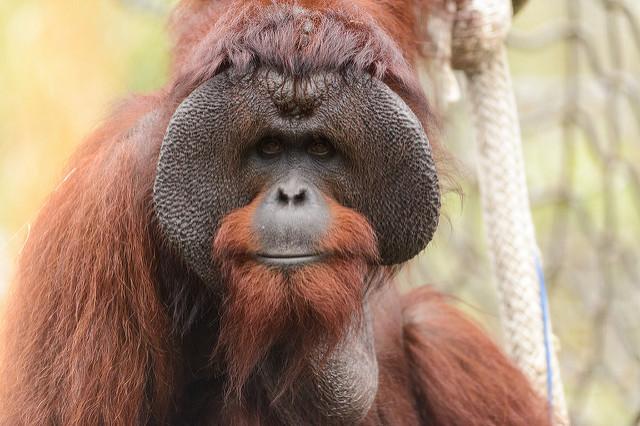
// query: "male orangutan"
[[222, 252]]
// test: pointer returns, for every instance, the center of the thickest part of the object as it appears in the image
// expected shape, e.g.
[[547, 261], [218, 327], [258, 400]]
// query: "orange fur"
[[302, 307], [461, 377], [86, 308], [449, 373]]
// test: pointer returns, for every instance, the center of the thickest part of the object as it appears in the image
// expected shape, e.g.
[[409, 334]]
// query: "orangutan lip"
[[288, 260]]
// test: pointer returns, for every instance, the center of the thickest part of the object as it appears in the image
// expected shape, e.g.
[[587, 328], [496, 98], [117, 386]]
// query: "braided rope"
[[476, 46], [509, 226]]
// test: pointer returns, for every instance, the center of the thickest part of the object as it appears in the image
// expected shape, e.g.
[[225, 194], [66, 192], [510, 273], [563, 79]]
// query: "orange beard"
[[299, 309]]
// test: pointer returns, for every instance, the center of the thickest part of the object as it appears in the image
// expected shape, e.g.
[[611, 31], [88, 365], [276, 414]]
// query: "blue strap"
[[544, 305]]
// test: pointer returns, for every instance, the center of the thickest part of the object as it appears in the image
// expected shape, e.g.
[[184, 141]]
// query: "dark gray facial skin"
[[381, 165], [294, 142]]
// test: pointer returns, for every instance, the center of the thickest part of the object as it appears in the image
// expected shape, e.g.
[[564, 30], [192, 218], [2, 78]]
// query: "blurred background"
[[576, 66]]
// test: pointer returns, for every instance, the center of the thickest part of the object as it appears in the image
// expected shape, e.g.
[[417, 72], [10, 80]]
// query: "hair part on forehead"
[[288, 37]]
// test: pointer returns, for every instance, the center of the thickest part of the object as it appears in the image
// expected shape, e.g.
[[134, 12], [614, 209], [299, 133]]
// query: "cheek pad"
[[392, 178], [194, 186]]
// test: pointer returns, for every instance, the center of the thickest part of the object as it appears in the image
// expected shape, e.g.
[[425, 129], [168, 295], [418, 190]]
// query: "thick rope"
[[510, 229], [475, 45]]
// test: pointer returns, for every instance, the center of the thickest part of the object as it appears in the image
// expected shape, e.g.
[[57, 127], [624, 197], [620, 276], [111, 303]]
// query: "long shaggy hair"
[[295, 309]]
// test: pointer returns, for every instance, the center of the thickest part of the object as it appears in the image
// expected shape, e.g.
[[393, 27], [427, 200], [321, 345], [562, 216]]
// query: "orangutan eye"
[[320, 148], [270, 148]]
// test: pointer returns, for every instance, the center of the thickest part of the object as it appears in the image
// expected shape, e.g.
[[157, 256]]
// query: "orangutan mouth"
[[288, 260]]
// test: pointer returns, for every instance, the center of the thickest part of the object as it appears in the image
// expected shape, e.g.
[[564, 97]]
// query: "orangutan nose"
[[291, 220]]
